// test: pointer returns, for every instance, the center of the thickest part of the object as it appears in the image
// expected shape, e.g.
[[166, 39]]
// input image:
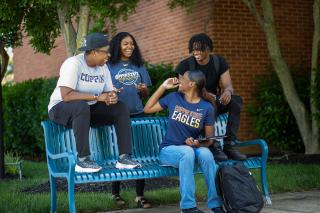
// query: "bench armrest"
[[71, 163], [263, 145]]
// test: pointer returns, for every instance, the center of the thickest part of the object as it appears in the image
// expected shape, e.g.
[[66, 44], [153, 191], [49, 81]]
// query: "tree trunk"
[[83, 24], [296, 105], [4, 60], [315, 146], [67, 30], [3, 68], [1, 138]]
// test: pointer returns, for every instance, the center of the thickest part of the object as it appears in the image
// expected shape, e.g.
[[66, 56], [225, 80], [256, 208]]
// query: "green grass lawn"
[[281, 178]]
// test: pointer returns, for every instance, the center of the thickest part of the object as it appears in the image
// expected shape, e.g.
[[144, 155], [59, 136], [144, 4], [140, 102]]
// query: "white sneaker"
[[125, 162], [87, 166]]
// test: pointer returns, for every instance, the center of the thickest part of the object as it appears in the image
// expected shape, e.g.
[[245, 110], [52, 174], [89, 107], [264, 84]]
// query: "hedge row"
[[25, 106]]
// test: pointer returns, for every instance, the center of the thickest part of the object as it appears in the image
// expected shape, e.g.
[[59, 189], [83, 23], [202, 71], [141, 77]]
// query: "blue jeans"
[[184, 157]]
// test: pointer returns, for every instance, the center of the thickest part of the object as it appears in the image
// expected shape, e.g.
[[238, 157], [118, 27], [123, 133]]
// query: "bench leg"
[[264, 183], [72, 206], [53, 195]]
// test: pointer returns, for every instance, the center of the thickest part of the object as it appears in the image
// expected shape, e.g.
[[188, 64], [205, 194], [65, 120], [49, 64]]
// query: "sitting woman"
[[189, 115]]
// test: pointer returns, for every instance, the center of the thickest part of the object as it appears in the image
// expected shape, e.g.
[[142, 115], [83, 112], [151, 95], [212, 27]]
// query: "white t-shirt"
[[77, 75]]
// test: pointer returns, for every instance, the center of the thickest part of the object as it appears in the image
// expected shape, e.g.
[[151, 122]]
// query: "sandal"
[[119, 200], [143, 203]]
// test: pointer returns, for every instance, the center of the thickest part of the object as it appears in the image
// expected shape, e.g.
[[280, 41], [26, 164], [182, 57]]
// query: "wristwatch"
[[95, 96]]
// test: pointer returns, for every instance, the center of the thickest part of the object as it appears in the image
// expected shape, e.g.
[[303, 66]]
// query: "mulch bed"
[[158, 183], [293, 158], [61, 185]]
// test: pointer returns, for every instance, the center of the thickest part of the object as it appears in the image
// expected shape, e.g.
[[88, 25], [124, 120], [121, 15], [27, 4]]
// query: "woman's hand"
[[191, 142], [171, 83], [143, 89]]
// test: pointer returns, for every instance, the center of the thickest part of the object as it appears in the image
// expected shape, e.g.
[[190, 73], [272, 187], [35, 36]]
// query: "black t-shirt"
[[212, 80]]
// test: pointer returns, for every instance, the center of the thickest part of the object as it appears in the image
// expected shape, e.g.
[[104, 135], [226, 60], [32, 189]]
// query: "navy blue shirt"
[[185, 119], [126, 75]]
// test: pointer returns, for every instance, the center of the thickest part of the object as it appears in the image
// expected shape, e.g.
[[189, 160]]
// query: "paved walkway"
[[297, 202]]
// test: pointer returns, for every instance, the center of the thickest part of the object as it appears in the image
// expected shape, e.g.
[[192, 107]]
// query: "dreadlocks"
[[200, 42]]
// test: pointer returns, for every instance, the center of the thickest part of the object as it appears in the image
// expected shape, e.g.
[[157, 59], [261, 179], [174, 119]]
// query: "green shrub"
[[11, 158], [24, 107], [274, 120], [158, 73]]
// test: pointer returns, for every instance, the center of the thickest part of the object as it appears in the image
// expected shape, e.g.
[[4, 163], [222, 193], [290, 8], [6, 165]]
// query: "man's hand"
[[208, 96], [108, 97], [192, 142], [225, 97]]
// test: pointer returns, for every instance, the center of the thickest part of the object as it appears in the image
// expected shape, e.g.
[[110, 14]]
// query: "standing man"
[[218, 88]]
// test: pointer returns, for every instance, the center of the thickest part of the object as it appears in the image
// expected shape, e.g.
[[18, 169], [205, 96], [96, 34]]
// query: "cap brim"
[[83, 49]]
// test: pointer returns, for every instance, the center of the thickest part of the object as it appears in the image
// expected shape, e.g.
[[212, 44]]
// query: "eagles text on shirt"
[[187, 117]]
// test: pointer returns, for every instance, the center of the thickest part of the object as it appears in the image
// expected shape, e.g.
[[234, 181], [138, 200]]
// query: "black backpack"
[[238, 189]]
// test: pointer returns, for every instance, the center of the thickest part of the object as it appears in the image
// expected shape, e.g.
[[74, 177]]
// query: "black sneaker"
[[125, 162], [217, 152], [232, 151], [218, 210], [191, 210], [87, 166]]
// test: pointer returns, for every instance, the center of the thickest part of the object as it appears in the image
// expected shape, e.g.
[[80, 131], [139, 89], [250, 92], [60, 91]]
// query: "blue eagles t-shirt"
[[126, 75], [185, 119]]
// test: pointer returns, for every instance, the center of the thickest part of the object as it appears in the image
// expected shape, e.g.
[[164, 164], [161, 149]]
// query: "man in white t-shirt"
[[84, 97]]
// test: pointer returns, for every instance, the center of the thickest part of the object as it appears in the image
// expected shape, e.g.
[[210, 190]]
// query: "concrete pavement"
[[296, 202]]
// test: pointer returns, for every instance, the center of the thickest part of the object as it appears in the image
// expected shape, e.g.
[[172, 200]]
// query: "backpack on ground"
[[238, 189]]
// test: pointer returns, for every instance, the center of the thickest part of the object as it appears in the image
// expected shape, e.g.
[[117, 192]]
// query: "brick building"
[[163, 36]]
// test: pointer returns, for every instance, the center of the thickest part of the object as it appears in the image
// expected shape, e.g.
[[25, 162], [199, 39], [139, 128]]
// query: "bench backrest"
[[147, 134]]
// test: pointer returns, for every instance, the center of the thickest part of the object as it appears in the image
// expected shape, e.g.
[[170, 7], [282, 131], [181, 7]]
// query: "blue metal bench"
[[147, 134]]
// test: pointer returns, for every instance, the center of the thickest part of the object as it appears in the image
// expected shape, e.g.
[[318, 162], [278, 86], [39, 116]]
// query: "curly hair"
[[115, 50]]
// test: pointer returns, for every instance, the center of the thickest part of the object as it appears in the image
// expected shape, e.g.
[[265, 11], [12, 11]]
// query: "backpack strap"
[[216, 63]]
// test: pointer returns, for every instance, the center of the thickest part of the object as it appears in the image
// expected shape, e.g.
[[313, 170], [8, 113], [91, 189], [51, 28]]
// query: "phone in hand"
[[203, 139]]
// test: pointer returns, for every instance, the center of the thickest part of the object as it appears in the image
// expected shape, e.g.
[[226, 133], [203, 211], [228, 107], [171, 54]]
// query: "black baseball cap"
[[94, 41]]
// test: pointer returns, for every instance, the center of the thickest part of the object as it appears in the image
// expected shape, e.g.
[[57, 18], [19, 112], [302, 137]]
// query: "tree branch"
[[83, 23], [253, 9], [67, 29], [296, 105]]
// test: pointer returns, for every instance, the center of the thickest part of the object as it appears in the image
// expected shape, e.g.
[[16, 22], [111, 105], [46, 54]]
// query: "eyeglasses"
[[102, 51]]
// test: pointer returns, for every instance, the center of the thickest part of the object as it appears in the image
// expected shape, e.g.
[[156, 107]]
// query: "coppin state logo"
[[127, 76]]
